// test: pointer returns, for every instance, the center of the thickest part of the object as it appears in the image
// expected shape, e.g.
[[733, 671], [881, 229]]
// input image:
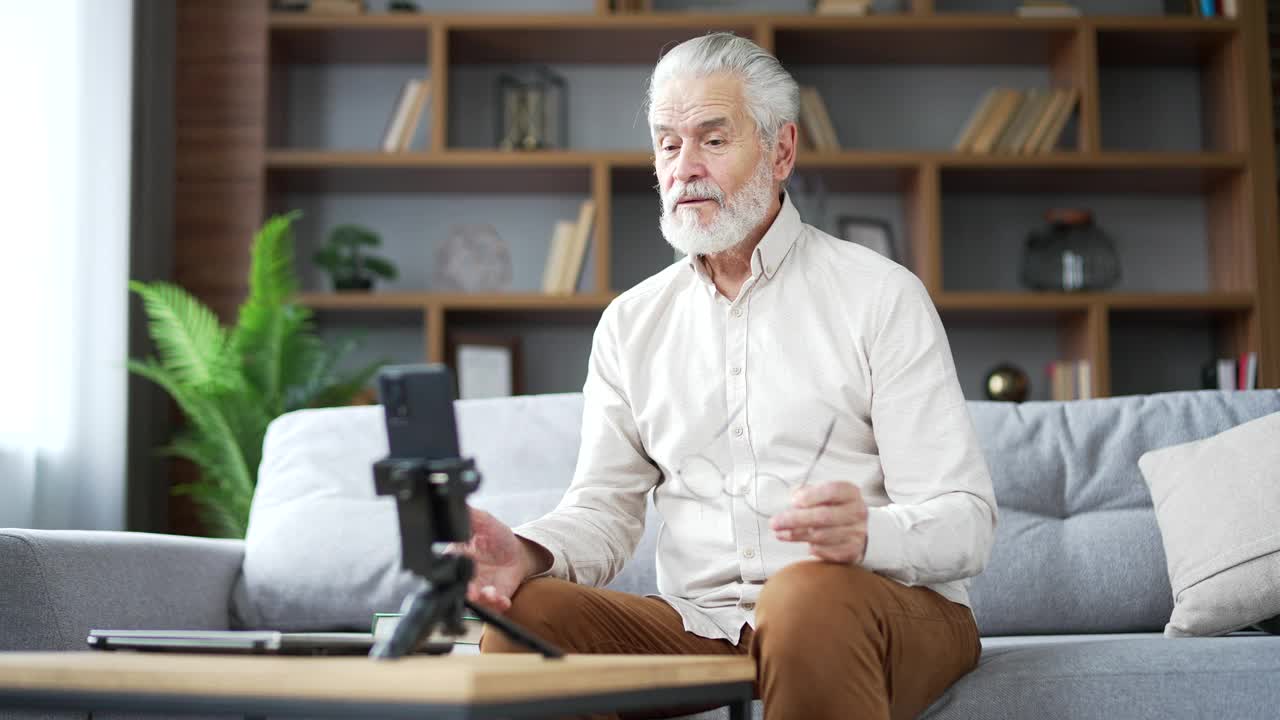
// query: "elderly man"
[[791, 402]]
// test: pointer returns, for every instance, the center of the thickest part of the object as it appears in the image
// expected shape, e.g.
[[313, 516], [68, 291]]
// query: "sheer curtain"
[[64, 189]]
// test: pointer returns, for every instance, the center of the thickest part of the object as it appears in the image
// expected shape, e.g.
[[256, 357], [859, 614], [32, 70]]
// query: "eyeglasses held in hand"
[[767, 494]]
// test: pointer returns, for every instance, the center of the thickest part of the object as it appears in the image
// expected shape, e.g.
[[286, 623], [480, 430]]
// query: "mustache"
[[698, 190]]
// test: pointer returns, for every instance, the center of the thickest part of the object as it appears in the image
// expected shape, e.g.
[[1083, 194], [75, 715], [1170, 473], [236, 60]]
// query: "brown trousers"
[[831, 641]]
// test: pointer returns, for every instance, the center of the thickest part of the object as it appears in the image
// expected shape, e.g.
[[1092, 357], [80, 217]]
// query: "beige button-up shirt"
[[720, 408]]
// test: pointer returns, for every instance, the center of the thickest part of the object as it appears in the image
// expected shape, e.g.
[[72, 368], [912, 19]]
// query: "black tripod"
[[431, 501]]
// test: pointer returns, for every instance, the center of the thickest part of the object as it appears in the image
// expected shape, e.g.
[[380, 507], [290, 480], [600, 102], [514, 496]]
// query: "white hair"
[[772, 95]]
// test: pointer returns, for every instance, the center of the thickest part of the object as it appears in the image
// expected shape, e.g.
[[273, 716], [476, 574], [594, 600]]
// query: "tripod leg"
[[517, 633], [419, 619]]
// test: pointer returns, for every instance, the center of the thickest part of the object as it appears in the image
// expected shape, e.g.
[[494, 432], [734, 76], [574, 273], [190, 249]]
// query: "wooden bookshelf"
[[228, 150]]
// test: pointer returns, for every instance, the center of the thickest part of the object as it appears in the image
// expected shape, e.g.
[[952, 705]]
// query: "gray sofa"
[[1071, 606]]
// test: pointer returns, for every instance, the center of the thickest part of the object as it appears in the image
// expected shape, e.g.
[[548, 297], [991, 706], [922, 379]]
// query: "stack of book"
[[405, 116], [816, 130], [1047, 9], [1231, 373], [1203, 8], [1017, 122], [1070, 380], [568, 250], [843, 7]]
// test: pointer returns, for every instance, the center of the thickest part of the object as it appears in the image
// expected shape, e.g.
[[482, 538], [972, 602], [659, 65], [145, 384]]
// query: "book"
[[384, 624], [1247, 371], [1070, 380], [1226, 374], [400, 115], [1006, 105], [556, 256], [1041, 127], [843, 7], [808, 120], [336, 7], [1060, 120], [1020, 126], [817, 124], [577, 248], [1230, 8], [1084, 380], [964, 141], [410, 128], [824, 122]]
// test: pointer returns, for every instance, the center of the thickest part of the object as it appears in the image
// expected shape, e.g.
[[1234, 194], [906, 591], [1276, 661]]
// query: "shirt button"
[[737, 432], [748, 606], [749, 553], [736, 371], [737, 312], [768, 269]]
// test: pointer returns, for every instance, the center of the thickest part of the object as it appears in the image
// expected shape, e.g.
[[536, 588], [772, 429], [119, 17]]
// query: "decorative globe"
[[1007, 383], [473, 258]]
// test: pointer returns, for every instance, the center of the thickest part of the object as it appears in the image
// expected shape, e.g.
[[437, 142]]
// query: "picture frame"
[[872, 232], [485, 365]]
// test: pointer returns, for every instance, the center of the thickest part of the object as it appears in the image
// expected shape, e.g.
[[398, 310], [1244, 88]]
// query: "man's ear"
[[784, 151]]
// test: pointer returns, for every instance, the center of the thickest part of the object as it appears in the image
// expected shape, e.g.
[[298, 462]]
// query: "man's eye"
[[716, 141], [669, 148]]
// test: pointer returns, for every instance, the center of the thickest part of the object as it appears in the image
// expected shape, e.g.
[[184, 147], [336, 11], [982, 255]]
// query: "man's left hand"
[[831, 517]]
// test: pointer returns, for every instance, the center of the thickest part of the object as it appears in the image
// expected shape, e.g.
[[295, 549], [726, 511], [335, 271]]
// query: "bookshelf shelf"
[[850, 171], [1005, 302], [1216, 165], [1040, 302], [450, 302]]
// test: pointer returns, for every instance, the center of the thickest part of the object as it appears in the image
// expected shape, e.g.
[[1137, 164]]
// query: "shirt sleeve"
[[595, 529], [940, 522]]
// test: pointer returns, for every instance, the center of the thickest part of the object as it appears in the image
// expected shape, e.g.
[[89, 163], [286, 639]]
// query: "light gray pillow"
[[323, 551], [1217, 502]]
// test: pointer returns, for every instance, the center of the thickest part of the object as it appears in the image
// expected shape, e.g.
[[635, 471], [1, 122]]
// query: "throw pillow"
[[1217, 502], [323, 551]]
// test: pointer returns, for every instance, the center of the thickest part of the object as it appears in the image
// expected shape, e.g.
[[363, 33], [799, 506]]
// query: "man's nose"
[[689, 165]]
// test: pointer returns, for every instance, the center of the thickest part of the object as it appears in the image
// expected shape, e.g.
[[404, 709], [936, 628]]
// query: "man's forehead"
[[694, 102]]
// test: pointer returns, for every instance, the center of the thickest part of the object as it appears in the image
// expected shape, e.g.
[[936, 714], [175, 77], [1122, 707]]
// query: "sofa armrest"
[[55, 585]]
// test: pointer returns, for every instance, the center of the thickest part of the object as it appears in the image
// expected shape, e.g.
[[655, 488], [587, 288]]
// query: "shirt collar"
[[772, 248]]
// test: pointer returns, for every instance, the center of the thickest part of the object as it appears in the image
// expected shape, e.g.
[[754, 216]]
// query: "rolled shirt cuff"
[[559, 566]]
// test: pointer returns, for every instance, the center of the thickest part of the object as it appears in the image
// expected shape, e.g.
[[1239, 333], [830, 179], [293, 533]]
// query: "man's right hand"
[[503, 561]]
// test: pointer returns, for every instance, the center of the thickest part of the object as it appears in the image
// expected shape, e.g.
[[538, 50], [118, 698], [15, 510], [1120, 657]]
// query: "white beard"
[[732, 223]]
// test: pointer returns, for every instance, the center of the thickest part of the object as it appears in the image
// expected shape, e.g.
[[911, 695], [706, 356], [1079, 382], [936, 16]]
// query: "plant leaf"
[[223, 456], [193, 346], [267, 318], [380, 267], [341, 391]]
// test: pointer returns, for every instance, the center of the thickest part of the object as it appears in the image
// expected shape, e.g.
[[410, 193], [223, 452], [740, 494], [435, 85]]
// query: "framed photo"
[[485, 365], [873, 232]]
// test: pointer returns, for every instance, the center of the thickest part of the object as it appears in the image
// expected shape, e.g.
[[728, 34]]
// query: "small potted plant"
[[348, 263]]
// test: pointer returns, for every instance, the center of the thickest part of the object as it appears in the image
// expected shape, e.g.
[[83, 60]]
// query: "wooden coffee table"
[[420, 686]]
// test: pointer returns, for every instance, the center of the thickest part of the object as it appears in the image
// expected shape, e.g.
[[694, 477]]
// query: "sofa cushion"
[[1108, 676], [1077, 548], [323, 551], [1217, 503]]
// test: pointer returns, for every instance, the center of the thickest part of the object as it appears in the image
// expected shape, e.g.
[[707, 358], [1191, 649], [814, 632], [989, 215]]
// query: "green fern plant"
[[230, 383]]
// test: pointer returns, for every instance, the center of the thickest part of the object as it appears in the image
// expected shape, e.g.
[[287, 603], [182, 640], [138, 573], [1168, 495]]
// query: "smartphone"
[[418, 403]]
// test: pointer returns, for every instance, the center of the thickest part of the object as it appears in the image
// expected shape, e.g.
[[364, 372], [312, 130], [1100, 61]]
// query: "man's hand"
[[502, 560], [831, 517]]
